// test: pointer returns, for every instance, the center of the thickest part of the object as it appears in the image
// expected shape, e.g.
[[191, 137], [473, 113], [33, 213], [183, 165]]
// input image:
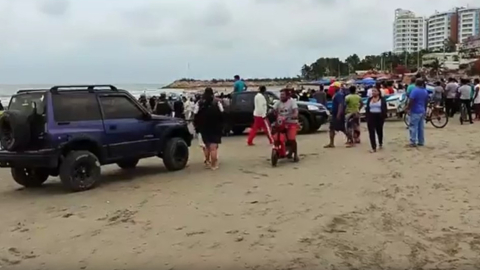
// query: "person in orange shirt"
[[390, 90]]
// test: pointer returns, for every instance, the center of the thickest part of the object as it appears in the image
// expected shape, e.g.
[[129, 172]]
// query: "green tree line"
[[387, 61]]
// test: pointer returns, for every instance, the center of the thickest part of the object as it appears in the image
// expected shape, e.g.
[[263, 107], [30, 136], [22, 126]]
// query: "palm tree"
[[449, 45], [306, 72], [436, 67]]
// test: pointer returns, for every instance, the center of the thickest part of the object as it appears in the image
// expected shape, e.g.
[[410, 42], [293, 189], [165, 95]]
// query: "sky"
[[158, 41]]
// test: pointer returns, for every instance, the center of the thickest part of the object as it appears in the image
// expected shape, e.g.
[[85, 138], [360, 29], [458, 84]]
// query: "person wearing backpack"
[[208, 121], [163, 107]]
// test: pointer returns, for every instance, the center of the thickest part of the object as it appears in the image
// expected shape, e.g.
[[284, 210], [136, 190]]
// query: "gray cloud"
[[53, 7], [143, 17], [217, 14], [152, 40]]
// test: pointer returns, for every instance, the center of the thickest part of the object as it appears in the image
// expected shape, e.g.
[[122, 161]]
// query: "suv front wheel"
[[304, 124], [29, 177], [175, 155], [80, 170]]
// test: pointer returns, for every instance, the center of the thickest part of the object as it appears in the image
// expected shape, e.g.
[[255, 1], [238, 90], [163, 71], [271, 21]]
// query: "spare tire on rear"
[[14, 130]]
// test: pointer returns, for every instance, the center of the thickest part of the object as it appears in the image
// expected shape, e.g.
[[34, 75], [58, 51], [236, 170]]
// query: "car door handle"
[[113, 127]]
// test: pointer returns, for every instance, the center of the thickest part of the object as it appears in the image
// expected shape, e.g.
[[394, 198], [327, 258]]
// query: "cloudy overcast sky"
[[155, 41]]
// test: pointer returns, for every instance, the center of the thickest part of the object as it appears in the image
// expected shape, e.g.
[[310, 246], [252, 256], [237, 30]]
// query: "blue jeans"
[[417, 128]]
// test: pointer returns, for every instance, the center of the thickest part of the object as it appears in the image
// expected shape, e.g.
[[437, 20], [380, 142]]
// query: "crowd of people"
[[346, 106], [323, 95], [206, 111]]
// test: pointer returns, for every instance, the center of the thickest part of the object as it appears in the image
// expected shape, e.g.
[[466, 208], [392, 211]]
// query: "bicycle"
[[281, 148], [434, 112], [463, 113]]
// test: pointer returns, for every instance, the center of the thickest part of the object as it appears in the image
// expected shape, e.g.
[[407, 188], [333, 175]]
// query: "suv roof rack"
[[88, 87], [30, 90]]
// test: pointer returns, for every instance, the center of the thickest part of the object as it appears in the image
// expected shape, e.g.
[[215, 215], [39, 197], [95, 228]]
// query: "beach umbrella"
[[368, 81], [336, 84], [319, 82]]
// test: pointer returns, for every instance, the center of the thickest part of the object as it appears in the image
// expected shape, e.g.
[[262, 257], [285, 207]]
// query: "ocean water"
[[7, 90]]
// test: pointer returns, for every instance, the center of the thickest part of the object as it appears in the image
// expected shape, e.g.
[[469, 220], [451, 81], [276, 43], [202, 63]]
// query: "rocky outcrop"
[[199, 84]]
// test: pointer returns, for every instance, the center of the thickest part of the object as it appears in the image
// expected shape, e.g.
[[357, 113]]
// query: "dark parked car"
[[70, 131], [239, 114]]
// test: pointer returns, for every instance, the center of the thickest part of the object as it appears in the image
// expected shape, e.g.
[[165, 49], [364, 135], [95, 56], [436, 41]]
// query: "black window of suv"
[[75, 107], [24, 102], [244, 100], [119, 107]]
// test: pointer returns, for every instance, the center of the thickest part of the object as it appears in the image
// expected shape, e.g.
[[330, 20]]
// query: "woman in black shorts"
[[209, 122]]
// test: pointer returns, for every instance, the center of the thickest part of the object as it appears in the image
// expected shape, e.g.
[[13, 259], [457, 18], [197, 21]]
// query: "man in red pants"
[[260, 120]]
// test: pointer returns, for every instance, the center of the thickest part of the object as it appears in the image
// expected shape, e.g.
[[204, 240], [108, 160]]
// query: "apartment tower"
[[457, 25], [408, 32]]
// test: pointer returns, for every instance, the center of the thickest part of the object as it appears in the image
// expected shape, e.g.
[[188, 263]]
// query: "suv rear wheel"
[[304, 125], [175, 155], [30, 177], [128, 164], [80, 170]]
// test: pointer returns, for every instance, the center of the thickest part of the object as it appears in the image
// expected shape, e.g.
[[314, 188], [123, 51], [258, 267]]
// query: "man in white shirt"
[[465, 96], [451, 96], [260, 120]]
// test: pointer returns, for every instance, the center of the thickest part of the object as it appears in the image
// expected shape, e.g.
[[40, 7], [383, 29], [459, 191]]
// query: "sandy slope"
[[338, 209]]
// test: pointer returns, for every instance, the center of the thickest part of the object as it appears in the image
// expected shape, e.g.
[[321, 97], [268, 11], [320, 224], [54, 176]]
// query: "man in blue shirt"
[[416, 108], [239, 85], [337, 123]]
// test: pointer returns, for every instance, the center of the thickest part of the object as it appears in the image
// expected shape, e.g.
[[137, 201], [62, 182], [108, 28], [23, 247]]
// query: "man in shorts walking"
[[337, 123]]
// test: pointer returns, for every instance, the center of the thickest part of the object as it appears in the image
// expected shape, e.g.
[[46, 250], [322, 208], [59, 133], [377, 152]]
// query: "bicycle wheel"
[[406, 119], [440, 120], [274, 157]]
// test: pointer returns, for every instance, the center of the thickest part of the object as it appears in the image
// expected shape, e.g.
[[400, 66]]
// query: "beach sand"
[[336, 209]]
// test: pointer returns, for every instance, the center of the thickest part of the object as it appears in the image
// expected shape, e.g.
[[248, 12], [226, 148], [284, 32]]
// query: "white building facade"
[[439, 29], [408, 32], [457, 25], [468, 23]]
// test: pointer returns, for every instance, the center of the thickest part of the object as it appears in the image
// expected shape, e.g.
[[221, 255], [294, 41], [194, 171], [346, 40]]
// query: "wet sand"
[[337, 209]]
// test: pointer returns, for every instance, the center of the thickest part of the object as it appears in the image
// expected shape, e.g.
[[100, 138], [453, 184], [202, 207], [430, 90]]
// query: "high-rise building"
[[440, 27], [457, 25], [468, 23], [408, 32]]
